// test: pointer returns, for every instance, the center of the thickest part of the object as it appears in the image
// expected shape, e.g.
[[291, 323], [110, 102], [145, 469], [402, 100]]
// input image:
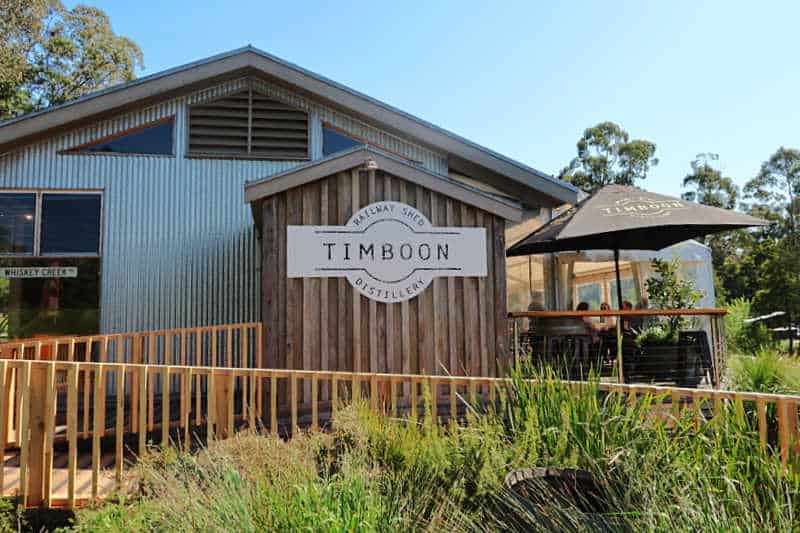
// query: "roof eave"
[[256, 191]]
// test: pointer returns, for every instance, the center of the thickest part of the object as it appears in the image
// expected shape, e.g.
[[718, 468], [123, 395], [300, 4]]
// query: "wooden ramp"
[[106, 481]]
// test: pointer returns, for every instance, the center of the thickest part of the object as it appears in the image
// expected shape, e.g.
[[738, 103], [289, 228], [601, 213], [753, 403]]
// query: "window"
[[68, 223], [628, 292], [334, 141], [155, 138], [248, 124], [50, 263], [590, 293], [66, 303], [17, 225]]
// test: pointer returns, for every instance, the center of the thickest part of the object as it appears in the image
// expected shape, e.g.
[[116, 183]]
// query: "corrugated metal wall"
[[179, 247]]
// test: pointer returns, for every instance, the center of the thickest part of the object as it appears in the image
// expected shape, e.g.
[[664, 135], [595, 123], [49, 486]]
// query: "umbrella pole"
[[620, 377], [619, 285]]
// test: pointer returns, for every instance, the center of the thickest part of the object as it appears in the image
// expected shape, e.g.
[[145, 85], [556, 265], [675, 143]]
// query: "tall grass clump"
[[743, 337], [654, 471], [765, 371]]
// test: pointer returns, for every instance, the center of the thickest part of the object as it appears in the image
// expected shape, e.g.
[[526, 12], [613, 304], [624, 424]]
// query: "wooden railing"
[[182, 413], [229, 345], [520, 333]]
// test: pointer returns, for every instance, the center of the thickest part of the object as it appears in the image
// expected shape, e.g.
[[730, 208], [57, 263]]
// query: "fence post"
[[787, 428], [37, 425], [4, 413], [224, 395]]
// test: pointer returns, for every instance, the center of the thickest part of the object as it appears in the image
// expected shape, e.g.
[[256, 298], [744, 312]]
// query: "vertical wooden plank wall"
[[456, 326]]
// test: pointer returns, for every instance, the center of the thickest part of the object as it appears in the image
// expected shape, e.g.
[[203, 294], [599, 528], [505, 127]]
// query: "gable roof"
[[255, 191], [527, 183]]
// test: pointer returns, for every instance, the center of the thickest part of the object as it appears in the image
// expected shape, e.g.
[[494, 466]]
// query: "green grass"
[[768, 370], [374, 473]]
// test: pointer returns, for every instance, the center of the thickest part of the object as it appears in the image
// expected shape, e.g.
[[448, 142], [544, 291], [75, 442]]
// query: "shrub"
[[667, 290], [660, 334]]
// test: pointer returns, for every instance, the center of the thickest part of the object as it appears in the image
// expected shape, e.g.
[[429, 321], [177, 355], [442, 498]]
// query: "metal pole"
[[516, 340], [619, 283]]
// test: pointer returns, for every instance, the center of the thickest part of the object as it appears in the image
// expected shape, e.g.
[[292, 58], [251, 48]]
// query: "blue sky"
[[526, 78]]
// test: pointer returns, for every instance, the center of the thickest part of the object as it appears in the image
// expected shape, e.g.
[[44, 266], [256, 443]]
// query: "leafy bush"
[[668, 291], [659, 334]]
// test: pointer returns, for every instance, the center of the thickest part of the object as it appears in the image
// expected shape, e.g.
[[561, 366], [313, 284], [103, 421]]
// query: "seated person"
[[607, 322], [537, 304], [638, 323], [592, 327], [626, 323]]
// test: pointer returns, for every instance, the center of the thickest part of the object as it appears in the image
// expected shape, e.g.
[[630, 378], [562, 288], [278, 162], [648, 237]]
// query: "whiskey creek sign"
[[388, 251], [38, 272]]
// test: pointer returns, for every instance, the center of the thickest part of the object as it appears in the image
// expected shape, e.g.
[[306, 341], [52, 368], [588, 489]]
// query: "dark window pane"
[[17, 213], [66, 304], [70, 223], [333, 141], [153, 140]]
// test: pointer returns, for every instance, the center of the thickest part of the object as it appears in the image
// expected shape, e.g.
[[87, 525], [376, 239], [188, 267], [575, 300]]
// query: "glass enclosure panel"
[[525, 283], [42, 297], [628, 292], [591, 293], [70, 224], [17, 222], [153, 140]]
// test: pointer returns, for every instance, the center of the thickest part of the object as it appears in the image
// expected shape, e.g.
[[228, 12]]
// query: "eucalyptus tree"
[[50, 54], [607, 155]]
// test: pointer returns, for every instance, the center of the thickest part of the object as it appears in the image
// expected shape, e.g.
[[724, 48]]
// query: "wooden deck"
[[106, 482]]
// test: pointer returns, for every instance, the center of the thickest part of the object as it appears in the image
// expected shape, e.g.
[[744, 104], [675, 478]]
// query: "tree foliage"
[[50, 54], [761, 265], [707, 184], [607, 155], [773, 193]]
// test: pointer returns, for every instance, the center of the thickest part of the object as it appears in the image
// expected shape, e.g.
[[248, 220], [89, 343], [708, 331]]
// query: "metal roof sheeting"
[[388, 117]]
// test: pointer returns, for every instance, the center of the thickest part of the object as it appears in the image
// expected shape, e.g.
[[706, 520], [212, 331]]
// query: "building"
[[124, 211]]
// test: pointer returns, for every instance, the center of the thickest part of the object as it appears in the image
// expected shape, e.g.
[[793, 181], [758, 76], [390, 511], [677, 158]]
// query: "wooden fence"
[[229, 345], [180, 412]]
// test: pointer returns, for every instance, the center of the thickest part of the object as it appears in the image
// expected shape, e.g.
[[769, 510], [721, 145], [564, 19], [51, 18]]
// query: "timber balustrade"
[[61, 464], [564, 340], [229, 345]]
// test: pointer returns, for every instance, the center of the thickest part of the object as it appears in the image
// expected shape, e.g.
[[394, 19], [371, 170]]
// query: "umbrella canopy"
[[627, 218]]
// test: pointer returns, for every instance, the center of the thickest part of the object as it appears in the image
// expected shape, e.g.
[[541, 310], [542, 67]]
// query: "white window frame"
[[37, 222]]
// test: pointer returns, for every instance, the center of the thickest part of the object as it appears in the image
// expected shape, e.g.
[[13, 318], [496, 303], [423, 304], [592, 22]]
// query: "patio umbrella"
[[618, 217]]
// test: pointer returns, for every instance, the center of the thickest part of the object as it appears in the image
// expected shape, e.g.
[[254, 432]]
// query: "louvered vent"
[[248, 124]]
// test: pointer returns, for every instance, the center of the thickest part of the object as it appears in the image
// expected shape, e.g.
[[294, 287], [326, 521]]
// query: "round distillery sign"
[[388, 251]]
